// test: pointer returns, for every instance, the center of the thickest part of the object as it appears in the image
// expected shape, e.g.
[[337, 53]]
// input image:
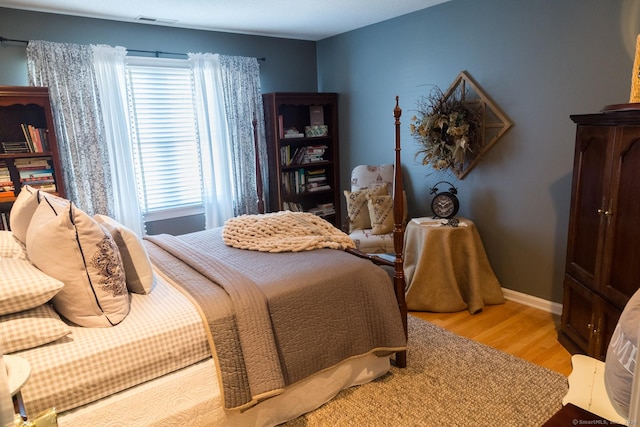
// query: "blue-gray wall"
[[290, 64], [539, 61]]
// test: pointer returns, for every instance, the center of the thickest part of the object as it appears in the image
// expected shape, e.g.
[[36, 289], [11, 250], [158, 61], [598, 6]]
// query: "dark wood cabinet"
[[602, 268], [303, 150]]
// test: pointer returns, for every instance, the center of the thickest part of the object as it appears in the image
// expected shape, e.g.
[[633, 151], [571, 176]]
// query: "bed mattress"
[[191, 397], [162, 333]]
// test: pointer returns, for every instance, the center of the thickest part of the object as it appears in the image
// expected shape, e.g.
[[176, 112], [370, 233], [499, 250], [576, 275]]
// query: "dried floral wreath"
[[448, 130]]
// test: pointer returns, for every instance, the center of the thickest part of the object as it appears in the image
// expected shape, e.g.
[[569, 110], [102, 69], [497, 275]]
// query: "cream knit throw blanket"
[[283, 231]]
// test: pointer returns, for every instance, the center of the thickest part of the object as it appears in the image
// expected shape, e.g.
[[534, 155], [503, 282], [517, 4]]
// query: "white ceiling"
[[295, 19]]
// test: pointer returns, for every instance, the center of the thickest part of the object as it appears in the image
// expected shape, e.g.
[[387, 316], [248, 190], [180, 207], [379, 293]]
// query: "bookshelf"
[[28, 147], [302, 146]]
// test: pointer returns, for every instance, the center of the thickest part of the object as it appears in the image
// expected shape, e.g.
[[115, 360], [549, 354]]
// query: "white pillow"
[[69, 245], [135, 258], [31, 328], [23, 286], [11, 247], [22, 210]]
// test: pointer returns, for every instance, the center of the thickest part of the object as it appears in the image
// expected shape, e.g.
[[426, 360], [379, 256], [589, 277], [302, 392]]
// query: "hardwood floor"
[[517, 329]]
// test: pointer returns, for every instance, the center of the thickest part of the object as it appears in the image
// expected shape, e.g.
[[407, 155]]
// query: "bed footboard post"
[[398, 233], [258, 168]]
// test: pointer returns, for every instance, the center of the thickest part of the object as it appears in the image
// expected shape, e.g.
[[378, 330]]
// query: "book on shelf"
[[33, 163], [324, 209], [10, 147], [316, 178], [293, 133], [292, 206], [4, 221], [6, 183], [314, 153], [316, 115], [7, 188], [319, 188], [316, 172], [35, 138], [300, 181], [316, 149], [46, 187], [31, 172], [285, 155], [297, 156], [293, 182], [302, 155]]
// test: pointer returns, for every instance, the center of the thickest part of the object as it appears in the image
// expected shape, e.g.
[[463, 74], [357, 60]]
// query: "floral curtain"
[[240, 78], [85, 80], [67, 70]]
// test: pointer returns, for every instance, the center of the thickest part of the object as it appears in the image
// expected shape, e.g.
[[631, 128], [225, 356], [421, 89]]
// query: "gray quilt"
[[277, 318]]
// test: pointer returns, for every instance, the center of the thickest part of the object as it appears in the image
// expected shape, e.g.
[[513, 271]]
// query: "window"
[[165, 137]]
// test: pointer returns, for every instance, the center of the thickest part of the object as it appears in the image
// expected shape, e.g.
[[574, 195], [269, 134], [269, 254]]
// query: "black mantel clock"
[[444, 204]]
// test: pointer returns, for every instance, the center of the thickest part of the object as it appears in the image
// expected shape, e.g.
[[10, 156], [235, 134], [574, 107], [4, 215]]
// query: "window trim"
[[170, 212]]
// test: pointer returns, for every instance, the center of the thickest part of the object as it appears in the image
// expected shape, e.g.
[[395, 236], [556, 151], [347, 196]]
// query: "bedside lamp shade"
[[6, 404]]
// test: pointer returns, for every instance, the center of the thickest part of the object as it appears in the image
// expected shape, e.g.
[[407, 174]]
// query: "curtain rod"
[[157, 53]]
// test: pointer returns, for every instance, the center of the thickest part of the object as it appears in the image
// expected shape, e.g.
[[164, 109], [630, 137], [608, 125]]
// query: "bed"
[[138, 335]]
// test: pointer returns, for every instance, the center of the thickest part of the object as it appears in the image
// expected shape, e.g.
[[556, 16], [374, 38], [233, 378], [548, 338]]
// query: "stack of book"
[[324, 209], [313, 153], [36, 172], [317, 180], [6, 184], [293, 133], [16, 147]]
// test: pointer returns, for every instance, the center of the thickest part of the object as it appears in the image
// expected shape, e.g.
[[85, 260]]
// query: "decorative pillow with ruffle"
[[69, 245]]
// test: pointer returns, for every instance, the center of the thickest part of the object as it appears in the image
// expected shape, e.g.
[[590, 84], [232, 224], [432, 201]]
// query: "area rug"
[[449, 381]]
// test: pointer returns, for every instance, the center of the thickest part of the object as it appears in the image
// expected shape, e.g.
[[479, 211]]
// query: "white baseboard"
[[531, 301]]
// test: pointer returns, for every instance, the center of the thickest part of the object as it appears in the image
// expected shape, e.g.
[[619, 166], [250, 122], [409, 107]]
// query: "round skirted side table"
[[446, 267]]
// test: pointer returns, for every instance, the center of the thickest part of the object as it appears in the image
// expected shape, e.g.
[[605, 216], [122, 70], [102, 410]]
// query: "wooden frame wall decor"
[[493, 121], [635, 75]]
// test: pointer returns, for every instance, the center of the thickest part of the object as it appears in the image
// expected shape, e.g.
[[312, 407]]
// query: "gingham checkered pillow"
[[23, 286], [11, 247], [31, 328]]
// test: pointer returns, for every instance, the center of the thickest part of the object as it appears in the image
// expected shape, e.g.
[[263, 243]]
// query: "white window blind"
[[164, 129]]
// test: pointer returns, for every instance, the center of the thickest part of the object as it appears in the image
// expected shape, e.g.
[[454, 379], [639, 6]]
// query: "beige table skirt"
[[447, 269]]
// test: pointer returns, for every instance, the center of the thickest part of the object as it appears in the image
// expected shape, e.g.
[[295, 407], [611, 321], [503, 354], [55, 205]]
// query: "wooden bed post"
[[398, 234], [398, 238], [258, 168]]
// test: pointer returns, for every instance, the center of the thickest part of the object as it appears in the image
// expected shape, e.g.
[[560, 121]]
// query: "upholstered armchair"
[[370, 208]]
